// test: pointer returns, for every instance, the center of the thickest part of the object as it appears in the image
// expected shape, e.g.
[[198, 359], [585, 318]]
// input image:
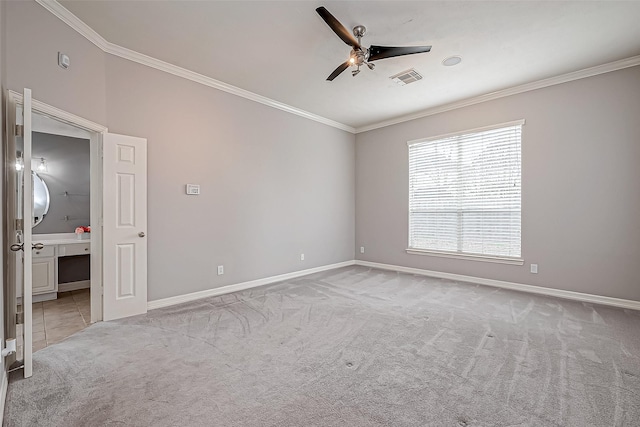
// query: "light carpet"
[[347, 347]]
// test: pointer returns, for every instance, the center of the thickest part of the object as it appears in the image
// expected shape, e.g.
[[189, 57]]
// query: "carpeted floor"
[[347, 347]]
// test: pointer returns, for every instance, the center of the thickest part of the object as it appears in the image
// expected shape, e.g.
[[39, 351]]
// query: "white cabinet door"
[[125, 226], [43, 275]]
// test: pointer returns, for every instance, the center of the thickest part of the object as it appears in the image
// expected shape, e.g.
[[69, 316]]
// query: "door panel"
[[13, 266], [125, 226], [27, 221], [43, 280]]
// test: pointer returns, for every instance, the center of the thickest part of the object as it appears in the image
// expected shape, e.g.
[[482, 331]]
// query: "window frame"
[[465, 255]]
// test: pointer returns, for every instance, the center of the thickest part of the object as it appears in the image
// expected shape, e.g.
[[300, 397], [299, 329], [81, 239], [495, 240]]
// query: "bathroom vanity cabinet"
[[62, 265]]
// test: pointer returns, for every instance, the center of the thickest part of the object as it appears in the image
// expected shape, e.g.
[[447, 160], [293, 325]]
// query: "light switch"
[[193, 189]]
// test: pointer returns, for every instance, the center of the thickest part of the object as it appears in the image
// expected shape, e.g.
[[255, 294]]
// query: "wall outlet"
[[534, 268], [361, 249], [301, 257], [220, 270]]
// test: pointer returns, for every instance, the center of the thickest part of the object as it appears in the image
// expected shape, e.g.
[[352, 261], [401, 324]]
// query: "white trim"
[[520, 122], [96, 190], [563, 78], [77, 24], [3, 393], [74, 286], [217, 84], [95, 141], [74, 22], [558, 293], [58, 114], [469, 257], [166, 302]]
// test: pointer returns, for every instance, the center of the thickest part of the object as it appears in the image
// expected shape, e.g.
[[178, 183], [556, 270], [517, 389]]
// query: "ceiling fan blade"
[[338, 71], [382, 52], [337, 27]]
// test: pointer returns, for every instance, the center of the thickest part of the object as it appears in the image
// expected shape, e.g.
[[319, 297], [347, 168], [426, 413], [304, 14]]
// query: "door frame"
[[97, 131]]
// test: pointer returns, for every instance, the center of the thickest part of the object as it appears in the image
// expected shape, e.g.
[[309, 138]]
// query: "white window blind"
[[465, 192]]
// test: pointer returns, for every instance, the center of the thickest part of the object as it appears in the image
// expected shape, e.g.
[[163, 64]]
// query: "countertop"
[[58, 239]]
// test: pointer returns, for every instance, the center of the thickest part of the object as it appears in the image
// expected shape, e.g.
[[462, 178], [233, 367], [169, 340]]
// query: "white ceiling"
[[285, 51]]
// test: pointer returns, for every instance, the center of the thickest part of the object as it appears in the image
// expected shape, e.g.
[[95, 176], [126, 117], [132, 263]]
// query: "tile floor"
[[58, 319]]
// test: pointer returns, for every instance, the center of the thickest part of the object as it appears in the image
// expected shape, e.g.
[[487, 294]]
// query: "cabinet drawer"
[[74, 249], [47, 251]]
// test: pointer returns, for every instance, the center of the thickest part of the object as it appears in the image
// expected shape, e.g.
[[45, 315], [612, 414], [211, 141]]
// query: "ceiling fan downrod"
[[360, 55]]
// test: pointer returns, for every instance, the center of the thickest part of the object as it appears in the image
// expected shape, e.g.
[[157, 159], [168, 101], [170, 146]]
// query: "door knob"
[[141, 234], [37, 246], [16, 247]]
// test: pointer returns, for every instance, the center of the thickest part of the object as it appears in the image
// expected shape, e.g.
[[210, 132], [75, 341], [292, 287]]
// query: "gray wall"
[[34, 37], [68, 170], [580, 186], [273, 184]]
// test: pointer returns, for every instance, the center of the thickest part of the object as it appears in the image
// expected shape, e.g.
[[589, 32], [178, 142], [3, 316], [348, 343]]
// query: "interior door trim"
[[97, 131]]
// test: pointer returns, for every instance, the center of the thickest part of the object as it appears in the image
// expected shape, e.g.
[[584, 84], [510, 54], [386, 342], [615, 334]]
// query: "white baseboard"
[[49, 296], [559, 293], [166, 302], [3, 393], [74, 286]]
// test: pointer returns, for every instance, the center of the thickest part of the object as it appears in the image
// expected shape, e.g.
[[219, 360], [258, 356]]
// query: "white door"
[[125, 226], [25, 207]]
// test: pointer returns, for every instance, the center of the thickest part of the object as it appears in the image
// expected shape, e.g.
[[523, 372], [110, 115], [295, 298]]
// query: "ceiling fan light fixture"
[[451, 61]]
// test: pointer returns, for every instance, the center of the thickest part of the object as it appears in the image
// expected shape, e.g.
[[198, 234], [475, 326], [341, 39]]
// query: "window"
[[465, 194]]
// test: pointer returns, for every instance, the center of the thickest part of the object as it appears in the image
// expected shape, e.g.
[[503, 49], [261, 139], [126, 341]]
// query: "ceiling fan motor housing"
[[359, 56]]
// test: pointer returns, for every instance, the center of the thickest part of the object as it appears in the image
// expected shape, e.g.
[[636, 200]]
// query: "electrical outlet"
[[361, 249], [220, 270], [301, 257], [534, 268]]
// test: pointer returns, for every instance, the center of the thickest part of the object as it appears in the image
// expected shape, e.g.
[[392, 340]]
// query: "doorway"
[[65, 196], [117, 225], [61, 277]]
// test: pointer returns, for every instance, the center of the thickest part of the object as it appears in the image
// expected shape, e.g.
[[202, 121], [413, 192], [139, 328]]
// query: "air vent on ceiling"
[[406, 77]]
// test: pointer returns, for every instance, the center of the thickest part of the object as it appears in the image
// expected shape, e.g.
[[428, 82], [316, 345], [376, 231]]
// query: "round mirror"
[[41, 199]]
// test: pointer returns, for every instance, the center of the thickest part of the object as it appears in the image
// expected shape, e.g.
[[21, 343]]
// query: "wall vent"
[[406, 77]]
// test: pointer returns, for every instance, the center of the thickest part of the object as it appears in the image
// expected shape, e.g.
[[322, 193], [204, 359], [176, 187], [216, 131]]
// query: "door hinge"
[[19, 130], [20, 318]]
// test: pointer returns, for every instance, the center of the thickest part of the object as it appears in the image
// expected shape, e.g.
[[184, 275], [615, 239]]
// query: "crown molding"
[[74, 22], [83, 29], [539, 84]]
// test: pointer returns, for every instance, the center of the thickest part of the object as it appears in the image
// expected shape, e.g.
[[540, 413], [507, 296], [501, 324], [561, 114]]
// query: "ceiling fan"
[[361, 55]]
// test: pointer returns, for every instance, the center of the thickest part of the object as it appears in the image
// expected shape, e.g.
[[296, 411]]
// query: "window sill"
[[468, 257]]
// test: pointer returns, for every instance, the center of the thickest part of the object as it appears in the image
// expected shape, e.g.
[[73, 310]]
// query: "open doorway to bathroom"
[[62, 269], [61, 224]]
